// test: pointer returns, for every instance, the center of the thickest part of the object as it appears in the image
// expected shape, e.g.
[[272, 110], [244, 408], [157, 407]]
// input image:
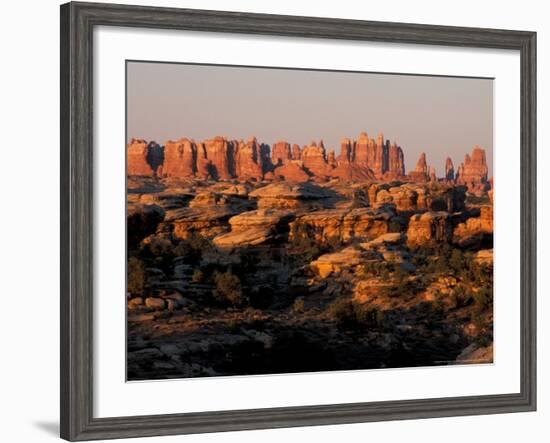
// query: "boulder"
[[135, 303], [429, 229], [475, 231], [285, 195], [207, 221], [255, 227], [329, 264], [155, 303]]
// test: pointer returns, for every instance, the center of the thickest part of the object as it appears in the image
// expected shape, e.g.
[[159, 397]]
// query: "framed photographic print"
[[272, 221]]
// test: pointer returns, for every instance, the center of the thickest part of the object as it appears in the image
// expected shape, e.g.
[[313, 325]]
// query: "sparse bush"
[[441, 265], [456, 260], [228, 288], [356, 316], [400, 275], [460, 297], [343, 313], [370, 317], [376, 268], [198, 243], [136, 276], [192, 247], [233, 326], [306, 248], [160, 247], [182, 249], [198, 276], [483, 298], [298, 305]]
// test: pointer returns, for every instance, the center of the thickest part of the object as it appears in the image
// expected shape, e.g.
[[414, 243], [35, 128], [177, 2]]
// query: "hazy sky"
[[441, 116]]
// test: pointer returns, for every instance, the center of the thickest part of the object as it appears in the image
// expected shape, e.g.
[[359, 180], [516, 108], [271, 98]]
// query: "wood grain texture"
[[77, 23]]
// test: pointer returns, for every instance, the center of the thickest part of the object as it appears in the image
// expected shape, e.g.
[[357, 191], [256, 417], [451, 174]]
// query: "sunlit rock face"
[[429, 229], [142, 158], [180, 159], [248, 160], [281, 153], [473, 172]]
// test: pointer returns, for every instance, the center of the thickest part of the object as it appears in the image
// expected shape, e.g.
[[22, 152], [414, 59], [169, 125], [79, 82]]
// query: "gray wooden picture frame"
[[77, 23]]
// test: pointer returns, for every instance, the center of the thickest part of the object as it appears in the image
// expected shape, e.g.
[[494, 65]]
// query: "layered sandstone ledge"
[[364, 159]]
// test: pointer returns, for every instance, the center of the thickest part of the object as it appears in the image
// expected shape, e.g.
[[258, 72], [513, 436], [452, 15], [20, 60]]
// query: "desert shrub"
[[351, 315], [472, 200], [249, 262], [441, 265], [305, 248], [233, 326], [228, 288], [136, 276], [480, 274], [400, 275], [483, 298], [370, 317], [343, 313], [182, 249], [192, 247], [298, 305], [198, 276], [198, 243], [456, 260], [376, 268], [160, 247], [461, 297]]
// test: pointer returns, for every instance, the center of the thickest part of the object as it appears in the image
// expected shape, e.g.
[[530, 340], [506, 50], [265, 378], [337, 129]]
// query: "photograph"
[[284, 220]]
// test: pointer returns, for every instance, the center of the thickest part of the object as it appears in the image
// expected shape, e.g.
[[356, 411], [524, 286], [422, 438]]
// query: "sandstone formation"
[[429, 229], [310, 273], [255, 228], [352, 172], [204, 165], [180, 158], [140, 156], [420, 173], [449, 170], [473, 172], [291, 196], [222, 159], [292, 172], [342, 225], [220, 153], [334, 263], [396, 162], [296, 152], [475, 231], [248, 162], [281, 153], [208, 221], [314, 159], [419, 196]]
